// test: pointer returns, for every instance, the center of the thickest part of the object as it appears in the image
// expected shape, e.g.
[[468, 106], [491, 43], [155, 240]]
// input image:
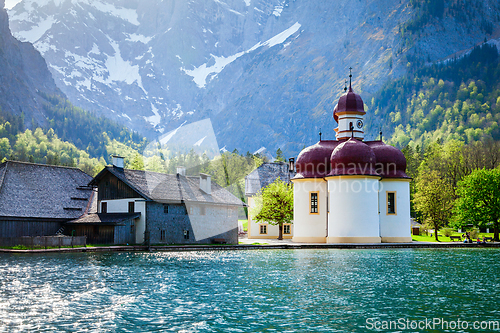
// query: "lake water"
[[251, 291]]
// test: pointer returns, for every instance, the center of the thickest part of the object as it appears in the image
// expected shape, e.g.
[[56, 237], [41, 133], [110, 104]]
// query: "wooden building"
[[37, 199], [118, 228], [158, 208]]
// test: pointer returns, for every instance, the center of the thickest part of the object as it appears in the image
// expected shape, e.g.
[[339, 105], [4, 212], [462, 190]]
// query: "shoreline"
[[285, 246]]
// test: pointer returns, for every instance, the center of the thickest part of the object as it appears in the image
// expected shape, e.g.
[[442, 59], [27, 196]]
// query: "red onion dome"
[[352, 157], [390, 161], [349, 101], [314, 161]]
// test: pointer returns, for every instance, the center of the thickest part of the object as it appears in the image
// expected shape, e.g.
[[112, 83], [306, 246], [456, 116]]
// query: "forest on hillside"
[[458, 99]]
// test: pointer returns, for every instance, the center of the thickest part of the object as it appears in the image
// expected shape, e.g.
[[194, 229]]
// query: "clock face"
[[359, 123]]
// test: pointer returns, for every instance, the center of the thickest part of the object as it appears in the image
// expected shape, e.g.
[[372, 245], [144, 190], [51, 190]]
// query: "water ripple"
[[244, 291]]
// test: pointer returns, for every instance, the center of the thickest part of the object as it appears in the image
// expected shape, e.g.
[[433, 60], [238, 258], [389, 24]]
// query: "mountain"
[[23, 75], [265, 72], [454, 100]]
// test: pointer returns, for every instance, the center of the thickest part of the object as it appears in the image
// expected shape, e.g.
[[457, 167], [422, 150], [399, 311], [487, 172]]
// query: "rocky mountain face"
[[23, 74], [267, 73]]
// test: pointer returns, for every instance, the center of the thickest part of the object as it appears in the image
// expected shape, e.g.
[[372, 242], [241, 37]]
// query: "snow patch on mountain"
[[126, 14], [154, 120], [37, 31], [277, 10], [281, 37], [201, 73], [139, 38], [122, 70], [95, 49]]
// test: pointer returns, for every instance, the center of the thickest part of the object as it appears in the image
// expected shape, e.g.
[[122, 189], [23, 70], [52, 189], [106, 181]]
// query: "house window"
[[191, 210], [314, 202], [286, 229], [163, 235], [131, 207], [391, 203], [132, 228], [104, 207], [202, 210], [165, 209], [186, 234], [263, 229]]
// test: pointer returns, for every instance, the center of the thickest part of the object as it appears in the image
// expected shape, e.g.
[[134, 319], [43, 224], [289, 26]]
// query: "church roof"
[[350, 101], [314, 161], [352, 157], [390, 161]]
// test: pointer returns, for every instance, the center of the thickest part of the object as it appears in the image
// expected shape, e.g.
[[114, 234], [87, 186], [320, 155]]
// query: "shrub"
[[474, 233], [447, 232]]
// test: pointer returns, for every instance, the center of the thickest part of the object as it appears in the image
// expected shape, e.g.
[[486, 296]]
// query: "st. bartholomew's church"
[[349, 190]]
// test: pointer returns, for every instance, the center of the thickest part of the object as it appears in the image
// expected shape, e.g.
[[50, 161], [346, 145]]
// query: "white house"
[[349, 190], [259, 178]]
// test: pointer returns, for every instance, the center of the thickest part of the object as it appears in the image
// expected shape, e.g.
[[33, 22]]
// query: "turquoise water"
[[249, 291]]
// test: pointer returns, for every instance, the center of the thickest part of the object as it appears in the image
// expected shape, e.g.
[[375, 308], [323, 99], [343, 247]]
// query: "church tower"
[[350, 190], [349, 114]]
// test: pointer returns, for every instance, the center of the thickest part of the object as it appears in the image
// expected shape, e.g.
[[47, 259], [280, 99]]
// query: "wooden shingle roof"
[[29, 190], [264, 175], [105, 218], [167, 188]]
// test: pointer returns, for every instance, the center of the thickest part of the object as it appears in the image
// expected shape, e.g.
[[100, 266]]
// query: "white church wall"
[[309, 227], [395, 227], [353, 216], [344, 128]]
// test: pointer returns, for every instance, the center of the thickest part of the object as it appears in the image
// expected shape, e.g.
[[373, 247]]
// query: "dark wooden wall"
[[20, 228], [111, 187], [96, 234]]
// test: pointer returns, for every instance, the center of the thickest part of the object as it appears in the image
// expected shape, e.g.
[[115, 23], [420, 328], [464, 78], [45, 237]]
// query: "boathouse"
[[37, 199], [160, 208]]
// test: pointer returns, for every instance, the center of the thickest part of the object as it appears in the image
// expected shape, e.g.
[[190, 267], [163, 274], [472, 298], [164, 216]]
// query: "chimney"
[[206, 183], [117, 161], [181, 170], [291, 164]]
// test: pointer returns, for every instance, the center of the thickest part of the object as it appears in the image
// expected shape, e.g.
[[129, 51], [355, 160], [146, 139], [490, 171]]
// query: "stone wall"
[[44, 241], [191, 223]]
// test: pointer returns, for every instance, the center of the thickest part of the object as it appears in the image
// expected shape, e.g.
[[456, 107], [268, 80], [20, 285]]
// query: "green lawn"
[[424, 238]]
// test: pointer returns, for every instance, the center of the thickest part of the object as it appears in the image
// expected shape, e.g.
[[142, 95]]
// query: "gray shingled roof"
[[265, 175], [163, 187], [105, 219], [30, 190]]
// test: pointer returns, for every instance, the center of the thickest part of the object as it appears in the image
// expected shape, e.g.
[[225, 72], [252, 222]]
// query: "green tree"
[[5, 149], [277, 205], [433, 199], [279, 156], [137, 162], [479, 200]]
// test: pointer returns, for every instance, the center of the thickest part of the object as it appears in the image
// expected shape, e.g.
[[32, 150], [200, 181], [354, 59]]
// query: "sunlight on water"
[[244, 291]]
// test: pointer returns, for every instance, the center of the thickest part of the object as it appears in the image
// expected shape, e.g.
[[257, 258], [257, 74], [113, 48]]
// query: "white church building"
[[349, 190]]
